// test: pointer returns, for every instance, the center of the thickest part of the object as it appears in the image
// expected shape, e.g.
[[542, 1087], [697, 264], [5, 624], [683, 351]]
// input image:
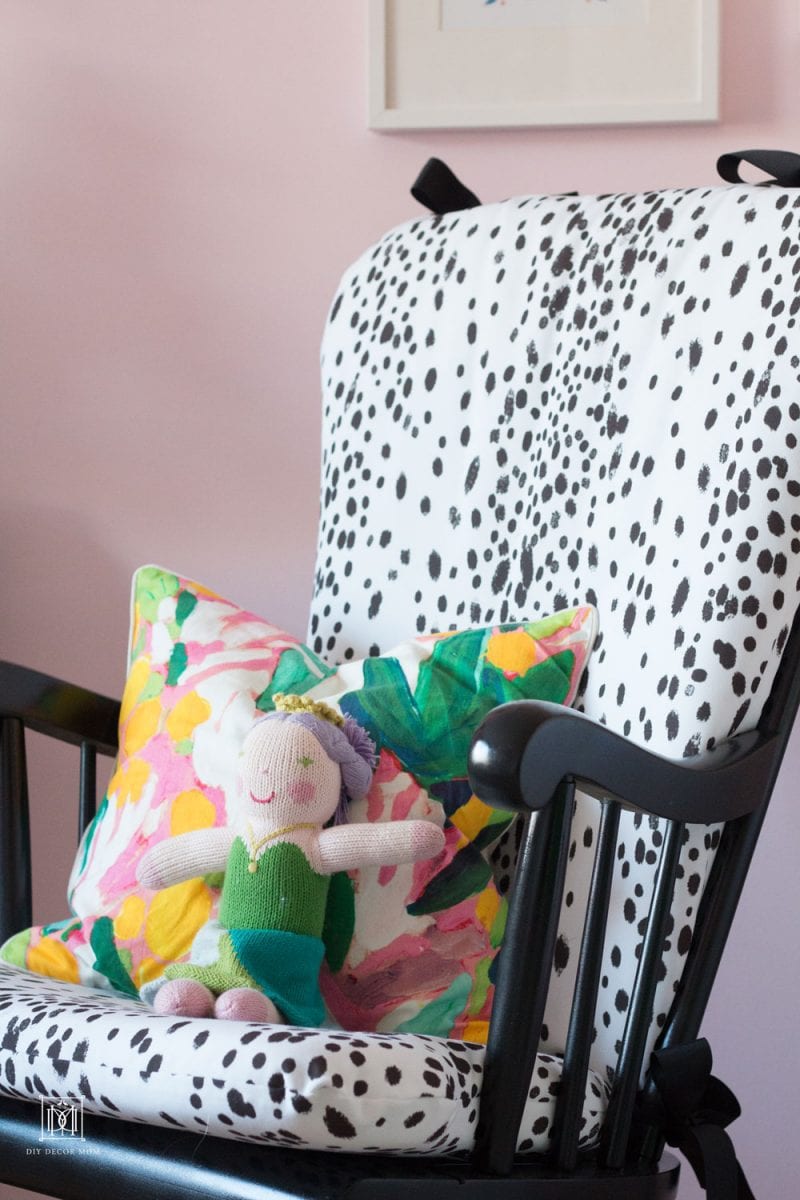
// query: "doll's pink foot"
[[184, 998], [246, 1004]]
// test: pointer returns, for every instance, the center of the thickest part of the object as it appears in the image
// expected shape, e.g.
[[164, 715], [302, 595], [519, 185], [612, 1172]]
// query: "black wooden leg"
[[15, 837]]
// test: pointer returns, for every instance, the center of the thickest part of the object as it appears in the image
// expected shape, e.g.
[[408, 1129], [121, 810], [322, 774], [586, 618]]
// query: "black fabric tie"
[[437, 188], [697, 1107], [783, 165]]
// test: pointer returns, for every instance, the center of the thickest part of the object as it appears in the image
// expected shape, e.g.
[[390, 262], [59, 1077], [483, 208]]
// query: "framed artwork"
[[454, 64]]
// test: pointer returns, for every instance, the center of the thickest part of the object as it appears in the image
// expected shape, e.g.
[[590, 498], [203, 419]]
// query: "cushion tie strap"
[[437, 188], [783, 165], [696, 1107]]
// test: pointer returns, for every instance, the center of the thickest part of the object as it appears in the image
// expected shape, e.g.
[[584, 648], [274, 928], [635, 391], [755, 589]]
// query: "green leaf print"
[[177, 663], [465, 876], [15, 950], [187, 603], [298, 670], [438, 1017], [430, 729], [107, 958], [340, 920], [152, 586], [89, 835]]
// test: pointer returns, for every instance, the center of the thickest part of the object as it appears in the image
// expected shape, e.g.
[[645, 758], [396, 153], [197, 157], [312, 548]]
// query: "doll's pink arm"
[[185, 857], [347, 846]]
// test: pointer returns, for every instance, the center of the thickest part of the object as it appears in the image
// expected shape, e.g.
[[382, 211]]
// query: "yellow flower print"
[[190, 711], [513, 653], [142, 725], [128, 781], [471, 818], [51, 957], [129, 919], [175, 915], [191, 810], [134, 686], [149, 968], [476, 1031], [486, 907]]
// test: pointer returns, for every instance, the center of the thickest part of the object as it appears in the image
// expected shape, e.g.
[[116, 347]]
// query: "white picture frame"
[[472, 64]]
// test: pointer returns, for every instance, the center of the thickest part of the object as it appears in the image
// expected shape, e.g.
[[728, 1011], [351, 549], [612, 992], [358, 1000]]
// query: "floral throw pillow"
[[408, 948], [413, 948]]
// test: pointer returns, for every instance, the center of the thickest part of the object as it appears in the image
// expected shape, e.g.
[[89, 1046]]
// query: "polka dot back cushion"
[[560, 400]]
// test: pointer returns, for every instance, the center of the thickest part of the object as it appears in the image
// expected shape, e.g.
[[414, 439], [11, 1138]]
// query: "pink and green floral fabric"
[[199, 667], [408, 948], [422, 952]]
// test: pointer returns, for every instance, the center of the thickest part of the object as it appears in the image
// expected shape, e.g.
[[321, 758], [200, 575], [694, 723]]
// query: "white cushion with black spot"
[[560, 400], [273, 1084]]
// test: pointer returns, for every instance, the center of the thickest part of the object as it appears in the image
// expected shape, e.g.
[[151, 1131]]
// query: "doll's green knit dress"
[[273, 918]]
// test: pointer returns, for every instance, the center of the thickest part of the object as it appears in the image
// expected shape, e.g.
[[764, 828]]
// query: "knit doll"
[[299, 765]]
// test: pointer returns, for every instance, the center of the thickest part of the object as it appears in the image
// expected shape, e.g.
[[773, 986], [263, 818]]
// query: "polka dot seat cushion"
[[273, 1084], [554, 401]]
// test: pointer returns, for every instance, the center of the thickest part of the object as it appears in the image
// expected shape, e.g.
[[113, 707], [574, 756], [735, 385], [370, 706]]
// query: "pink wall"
[[182, 184]]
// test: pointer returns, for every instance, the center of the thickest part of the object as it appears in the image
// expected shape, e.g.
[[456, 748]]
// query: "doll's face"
[[287, 777]]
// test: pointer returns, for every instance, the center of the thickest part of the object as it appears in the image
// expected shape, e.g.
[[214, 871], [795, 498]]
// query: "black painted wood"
[[522, 751], [87, 789], [522, 982], [577, 1052], [15, 837], [59, 709], [141, 1162], [76, 715], [619, 1117]]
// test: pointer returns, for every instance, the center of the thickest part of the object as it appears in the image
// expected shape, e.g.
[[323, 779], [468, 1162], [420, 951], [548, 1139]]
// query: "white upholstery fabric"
[[272, 1084]]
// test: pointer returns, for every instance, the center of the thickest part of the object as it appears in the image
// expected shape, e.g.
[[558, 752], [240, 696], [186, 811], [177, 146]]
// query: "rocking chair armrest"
[[29, 699], [530, 756], [523, 750], [58, 709]]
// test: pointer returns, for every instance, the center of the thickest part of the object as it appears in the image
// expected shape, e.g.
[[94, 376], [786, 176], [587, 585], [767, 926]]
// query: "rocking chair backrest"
[[560, 400]]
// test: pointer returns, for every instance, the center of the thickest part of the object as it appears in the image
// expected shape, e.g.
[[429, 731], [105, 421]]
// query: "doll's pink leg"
[[184, 998], [247, 1004]]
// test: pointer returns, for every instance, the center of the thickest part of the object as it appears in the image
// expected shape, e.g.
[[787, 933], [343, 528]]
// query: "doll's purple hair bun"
[[343, 739]]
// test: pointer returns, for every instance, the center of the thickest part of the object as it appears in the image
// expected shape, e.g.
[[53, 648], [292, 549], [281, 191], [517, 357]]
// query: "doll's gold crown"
[[297, 704]]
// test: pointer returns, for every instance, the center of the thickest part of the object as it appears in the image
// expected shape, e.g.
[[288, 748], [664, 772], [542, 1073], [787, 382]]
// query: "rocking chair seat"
[[323, 1088]]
